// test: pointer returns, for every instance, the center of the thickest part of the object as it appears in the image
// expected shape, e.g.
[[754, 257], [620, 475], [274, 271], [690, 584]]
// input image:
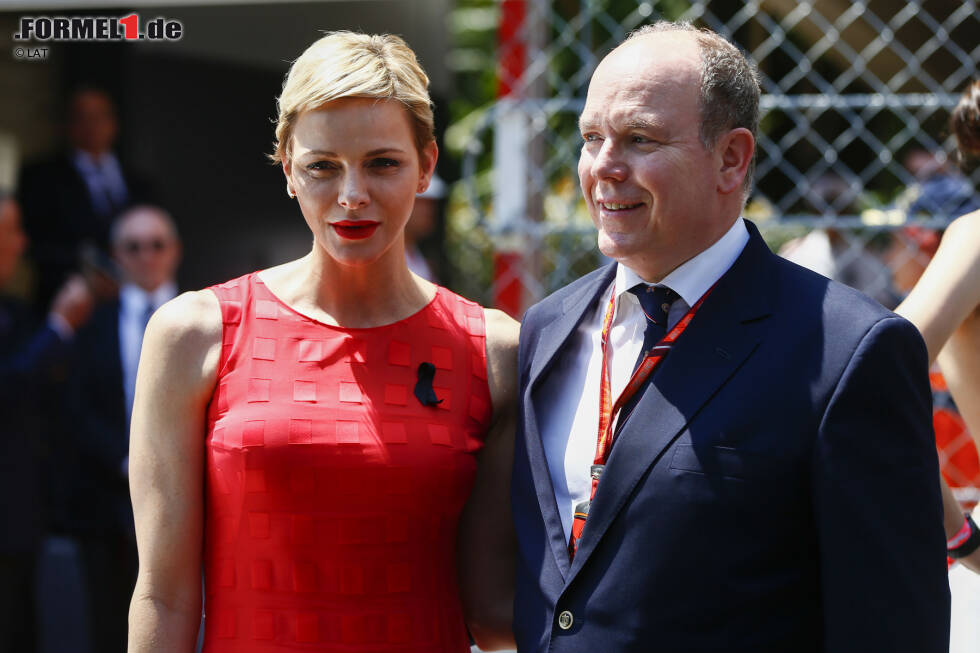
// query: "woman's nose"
[[353, 191]]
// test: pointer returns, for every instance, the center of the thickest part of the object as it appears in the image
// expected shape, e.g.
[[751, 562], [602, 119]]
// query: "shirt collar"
[[135, 299], [692, 278], [87, 163]]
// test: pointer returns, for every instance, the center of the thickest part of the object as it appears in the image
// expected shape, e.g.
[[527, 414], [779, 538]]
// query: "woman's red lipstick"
[[355, 229]]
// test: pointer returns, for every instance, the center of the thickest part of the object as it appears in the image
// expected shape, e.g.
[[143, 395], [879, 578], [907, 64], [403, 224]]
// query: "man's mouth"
[[618, 206]]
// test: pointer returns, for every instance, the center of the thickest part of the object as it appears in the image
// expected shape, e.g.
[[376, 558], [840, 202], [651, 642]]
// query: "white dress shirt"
[[134, 304], [569, 399]]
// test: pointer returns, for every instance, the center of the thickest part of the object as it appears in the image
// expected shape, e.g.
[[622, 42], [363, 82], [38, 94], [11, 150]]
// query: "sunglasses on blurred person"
[[154, 245]]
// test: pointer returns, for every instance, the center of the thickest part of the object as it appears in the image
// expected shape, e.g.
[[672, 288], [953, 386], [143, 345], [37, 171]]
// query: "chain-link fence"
[[854, 174], [853, 138]]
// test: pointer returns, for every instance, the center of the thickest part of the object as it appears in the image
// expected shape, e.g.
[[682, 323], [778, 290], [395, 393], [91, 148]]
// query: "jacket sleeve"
[[100, 427], [33, 363], [877, 503]]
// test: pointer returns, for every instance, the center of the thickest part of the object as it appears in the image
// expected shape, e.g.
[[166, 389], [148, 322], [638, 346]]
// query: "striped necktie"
[[655, 302]]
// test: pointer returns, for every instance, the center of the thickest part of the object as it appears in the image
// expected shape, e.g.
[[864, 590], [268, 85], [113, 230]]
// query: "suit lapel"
[[723, 335], [552, 339], [574, 308]]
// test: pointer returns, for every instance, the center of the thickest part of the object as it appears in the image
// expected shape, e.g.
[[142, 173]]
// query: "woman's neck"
[[374, 294]]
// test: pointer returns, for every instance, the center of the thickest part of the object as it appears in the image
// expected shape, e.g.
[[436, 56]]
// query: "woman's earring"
[[289, 191]]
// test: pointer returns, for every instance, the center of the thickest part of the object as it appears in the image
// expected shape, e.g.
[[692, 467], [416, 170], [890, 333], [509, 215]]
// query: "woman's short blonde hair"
[[348, 64]]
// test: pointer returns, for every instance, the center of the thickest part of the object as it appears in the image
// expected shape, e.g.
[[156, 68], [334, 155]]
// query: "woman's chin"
[[353, 255]]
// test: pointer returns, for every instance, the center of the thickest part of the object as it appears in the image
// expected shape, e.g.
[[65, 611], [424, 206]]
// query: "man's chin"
[[614, 247]]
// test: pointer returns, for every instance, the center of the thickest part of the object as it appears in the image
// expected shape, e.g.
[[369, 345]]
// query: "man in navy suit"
[[772, 485], [145, 244], [70, 200], [32, 358]]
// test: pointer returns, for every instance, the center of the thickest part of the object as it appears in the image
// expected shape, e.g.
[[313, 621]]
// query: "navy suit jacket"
[[775, 488], [100, 429], [59, 217], [32, 360]]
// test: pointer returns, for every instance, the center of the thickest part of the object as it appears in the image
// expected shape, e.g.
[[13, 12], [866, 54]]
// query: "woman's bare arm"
[[177, 372], [949, 289], [487, 545], [945, 307], [960, 363]]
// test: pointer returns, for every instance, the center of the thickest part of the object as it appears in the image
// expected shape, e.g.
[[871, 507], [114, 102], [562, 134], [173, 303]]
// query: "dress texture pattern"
[[333, 493]]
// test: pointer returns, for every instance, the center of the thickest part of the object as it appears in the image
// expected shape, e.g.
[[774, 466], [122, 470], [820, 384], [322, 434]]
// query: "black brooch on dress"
[[423, 388]]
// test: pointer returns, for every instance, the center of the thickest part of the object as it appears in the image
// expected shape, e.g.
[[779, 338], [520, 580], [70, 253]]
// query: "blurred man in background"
[[147, 249], [30, 357], [421, 225], [70, 200]]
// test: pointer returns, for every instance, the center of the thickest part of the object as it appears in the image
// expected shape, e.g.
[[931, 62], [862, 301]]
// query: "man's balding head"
[[145, 243], [728, 83], [662, 177]]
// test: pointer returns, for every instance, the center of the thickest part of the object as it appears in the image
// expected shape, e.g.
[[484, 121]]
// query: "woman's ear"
[[287, 171], [427, 159]]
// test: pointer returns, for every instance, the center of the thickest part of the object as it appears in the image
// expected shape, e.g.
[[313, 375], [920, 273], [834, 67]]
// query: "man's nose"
[[609, 162]]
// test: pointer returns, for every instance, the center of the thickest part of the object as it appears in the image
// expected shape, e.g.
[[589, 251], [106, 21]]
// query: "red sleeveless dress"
[[332, 493]]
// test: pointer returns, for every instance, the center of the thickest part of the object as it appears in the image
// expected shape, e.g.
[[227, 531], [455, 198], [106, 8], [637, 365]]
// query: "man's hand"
[[74, 302]]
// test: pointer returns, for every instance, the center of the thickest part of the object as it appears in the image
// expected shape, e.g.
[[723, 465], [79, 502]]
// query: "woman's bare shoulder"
[[189, 324], [968, 223], [502, 331], [502, 338]]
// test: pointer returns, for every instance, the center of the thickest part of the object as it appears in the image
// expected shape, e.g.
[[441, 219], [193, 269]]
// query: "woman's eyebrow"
[[385, 150], [374, 152]]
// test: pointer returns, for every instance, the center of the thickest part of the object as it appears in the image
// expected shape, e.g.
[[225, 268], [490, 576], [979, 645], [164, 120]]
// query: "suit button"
[[565, 620]]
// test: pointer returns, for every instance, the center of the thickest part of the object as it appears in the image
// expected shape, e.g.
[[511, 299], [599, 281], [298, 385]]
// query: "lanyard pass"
[[608, 409]]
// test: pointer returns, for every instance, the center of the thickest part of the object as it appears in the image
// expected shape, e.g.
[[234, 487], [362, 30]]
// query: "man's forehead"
[[627, 115], [143, 222], [629, 89]]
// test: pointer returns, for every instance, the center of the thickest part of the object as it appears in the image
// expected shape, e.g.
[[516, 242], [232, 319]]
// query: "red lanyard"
[[608, 410]]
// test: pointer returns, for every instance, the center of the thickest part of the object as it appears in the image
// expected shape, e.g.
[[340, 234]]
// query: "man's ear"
[[735, 149]]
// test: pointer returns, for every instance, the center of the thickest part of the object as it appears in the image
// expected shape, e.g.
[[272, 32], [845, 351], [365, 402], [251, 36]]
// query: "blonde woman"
[[310, 433]]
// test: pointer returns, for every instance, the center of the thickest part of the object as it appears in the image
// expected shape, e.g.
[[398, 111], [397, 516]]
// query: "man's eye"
[[590, 138], [636, 138]]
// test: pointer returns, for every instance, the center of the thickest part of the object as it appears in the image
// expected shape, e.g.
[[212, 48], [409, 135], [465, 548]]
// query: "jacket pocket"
[[725, 462]]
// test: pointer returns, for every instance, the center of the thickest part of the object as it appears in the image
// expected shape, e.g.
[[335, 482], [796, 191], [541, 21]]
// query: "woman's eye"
[[321, 165], [384, 162], [590, 138]]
